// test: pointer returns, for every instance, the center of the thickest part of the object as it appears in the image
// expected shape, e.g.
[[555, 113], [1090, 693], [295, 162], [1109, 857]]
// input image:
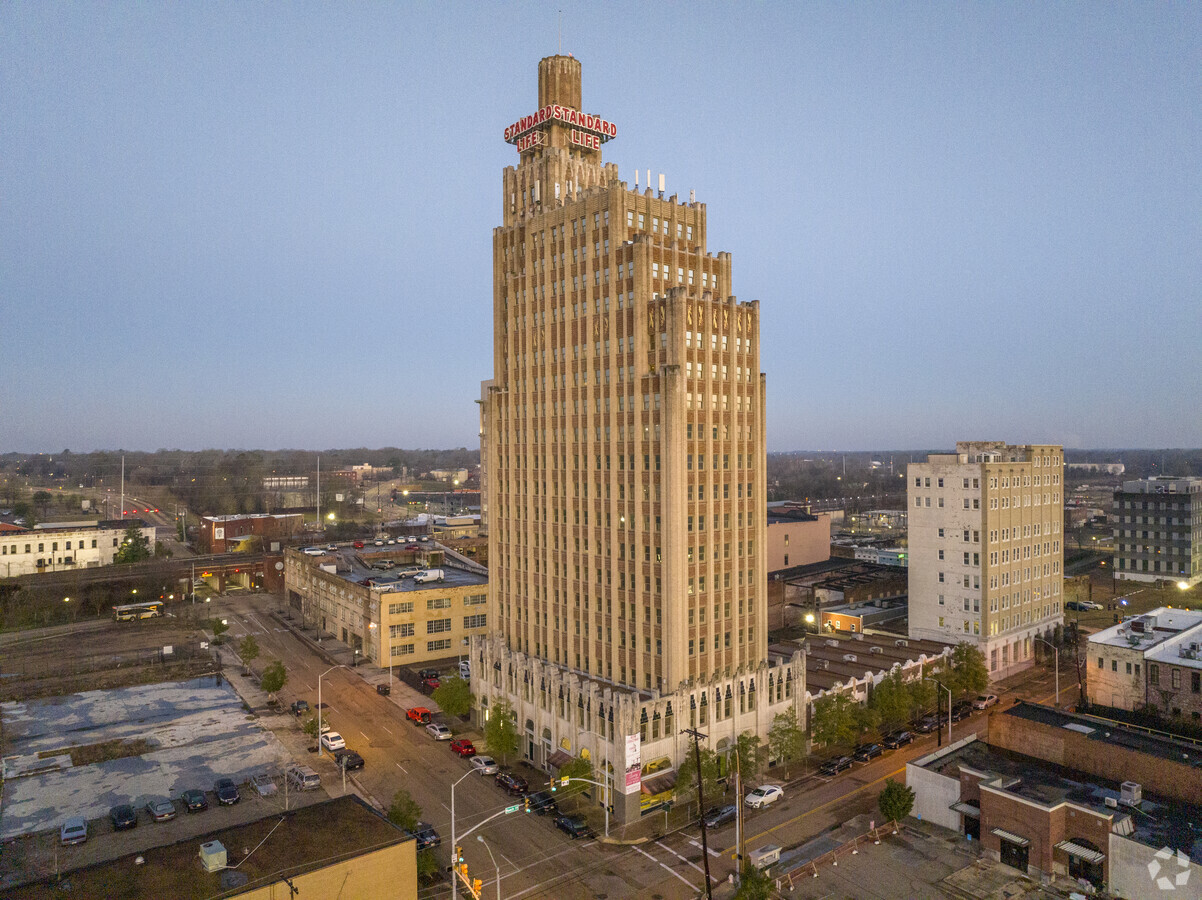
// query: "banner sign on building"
[[634, 765]]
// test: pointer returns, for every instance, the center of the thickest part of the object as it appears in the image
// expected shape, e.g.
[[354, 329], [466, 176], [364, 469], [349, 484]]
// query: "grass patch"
[[86, 754]]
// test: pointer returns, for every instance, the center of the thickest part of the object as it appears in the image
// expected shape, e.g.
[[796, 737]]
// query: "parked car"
[[160, 809], [383, 688], [720, 815], [897, 739], [542, 803], [347, 759], [332, 740], [1090, 604], [835, 765], [302, 778], [866, 752], [194, 800], [438, 732], [1073, 605], [300, 707], [961, 710], [428, 575], [418, 715], [463, 747], [430, 685], [485, 765], [927, 724], [74, 831], [358, 545], [514, 785], [123, 816], [573, 827], [226, 791], [984, 701], [427, 673], [465, 670], [263, 784], [763, 795], [412, 547], [426, 837]]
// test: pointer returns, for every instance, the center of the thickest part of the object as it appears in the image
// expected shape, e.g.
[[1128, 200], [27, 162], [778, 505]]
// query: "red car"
[[463, 747], [431, 684], [418, 715], [358, 545]]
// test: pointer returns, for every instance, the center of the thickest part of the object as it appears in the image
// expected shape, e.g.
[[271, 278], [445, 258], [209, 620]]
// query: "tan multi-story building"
[[625, 451], [986, 560], [388, 616]]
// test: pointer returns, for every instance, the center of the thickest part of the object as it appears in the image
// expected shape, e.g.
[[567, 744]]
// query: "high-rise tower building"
[[986, 559], [625, 451], [1158, 530]]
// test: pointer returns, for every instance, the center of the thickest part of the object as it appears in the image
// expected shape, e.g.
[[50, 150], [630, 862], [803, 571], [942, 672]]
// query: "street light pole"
[[480, 838], [939, 731], [455, 843], [1055, 650], [319, 678]]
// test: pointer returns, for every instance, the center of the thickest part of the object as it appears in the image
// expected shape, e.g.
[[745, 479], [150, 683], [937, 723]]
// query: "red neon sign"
[[566, 116]]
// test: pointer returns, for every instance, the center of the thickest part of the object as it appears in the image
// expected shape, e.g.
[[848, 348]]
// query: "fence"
[[831, 857]]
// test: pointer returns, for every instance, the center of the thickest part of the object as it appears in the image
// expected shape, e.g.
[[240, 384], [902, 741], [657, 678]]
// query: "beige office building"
[[625, 449], [986, 559]]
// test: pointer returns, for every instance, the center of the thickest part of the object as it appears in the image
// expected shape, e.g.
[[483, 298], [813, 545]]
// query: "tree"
[[219, 628], [786, 739], [835, 720], [752, 754], [501, 731], [274, 678], [404, 811], [134, 548], [162, 550], [41, 499], [896, 800], [892, 701], [24, 511], [248, 649], [454, 696], [754, 884], [966, 672], [923, 694], [686, 775], [427, 865], [310, 727]]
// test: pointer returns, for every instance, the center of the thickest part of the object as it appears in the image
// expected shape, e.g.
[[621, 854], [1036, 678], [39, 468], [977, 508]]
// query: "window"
[[434, 646], [438, 603], [402, 650], [480, 620], [437, 626], [396, 609], [405, 629]]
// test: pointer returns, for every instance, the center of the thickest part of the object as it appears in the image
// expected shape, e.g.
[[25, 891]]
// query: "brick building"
[[1153, 660], [260, 531]]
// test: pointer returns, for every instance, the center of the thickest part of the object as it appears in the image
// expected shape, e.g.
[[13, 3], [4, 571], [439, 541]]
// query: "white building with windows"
[[986, 558], [65, 547]]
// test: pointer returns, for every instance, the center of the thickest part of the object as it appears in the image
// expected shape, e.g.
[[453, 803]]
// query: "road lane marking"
[[403, 769], [667, 868], [385, 727], [710, 850], [683, 859], [365, 737]]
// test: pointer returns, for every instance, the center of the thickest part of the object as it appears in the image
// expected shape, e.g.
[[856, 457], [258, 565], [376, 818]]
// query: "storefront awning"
[[658, 784], [559, 759], [1091, 856], [1011, 837], [966, 809]]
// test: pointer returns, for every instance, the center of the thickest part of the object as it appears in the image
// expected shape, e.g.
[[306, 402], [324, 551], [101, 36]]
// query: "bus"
[[131, 611]]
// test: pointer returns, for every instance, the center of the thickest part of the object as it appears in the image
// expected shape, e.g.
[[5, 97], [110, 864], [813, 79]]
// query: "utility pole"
[[705, 850]]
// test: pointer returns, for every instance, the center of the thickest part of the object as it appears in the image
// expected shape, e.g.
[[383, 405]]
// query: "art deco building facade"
[[625, 429], [986, 559]]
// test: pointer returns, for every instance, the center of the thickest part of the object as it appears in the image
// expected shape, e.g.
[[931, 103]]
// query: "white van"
[[428, 575], [302, 778]]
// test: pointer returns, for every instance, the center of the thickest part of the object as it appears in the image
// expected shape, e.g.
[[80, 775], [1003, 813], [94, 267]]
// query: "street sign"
[[511, 809]]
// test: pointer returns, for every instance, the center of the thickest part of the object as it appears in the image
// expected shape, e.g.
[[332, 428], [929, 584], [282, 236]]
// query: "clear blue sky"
[[269, 225]]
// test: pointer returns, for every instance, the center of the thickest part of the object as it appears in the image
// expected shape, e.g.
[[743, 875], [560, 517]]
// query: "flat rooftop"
[[1111, 732], [1155, 823], [1146, 631], [282, 845]]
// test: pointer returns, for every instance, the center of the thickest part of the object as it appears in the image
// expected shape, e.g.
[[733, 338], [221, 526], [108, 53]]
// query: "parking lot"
[[160, 739]]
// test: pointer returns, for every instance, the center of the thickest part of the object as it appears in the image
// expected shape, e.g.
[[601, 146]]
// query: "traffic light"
[[477, 886], [463, 870], [458, 853], [527, 802]]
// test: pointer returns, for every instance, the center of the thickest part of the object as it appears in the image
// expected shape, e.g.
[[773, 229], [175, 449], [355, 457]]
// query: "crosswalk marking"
[[683, 859], [666, 866], [712, 852]]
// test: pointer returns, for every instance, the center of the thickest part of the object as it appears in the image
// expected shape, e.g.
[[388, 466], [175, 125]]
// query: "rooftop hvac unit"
[[1132, 793], [876, 649], [901, 643], [1112, 802], [212, 856], [849, 657], [832, 643], [824, 663]]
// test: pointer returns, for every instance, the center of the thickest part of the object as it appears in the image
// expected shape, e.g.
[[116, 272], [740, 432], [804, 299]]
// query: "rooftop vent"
[[832, 643], [1112, 802], [876, 649], [901, 643], [849, 657], [1132, 793]]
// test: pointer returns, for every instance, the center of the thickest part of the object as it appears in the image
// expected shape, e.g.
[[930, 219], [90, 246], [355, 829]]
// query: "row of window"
[[431, 647], [12, 549]]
